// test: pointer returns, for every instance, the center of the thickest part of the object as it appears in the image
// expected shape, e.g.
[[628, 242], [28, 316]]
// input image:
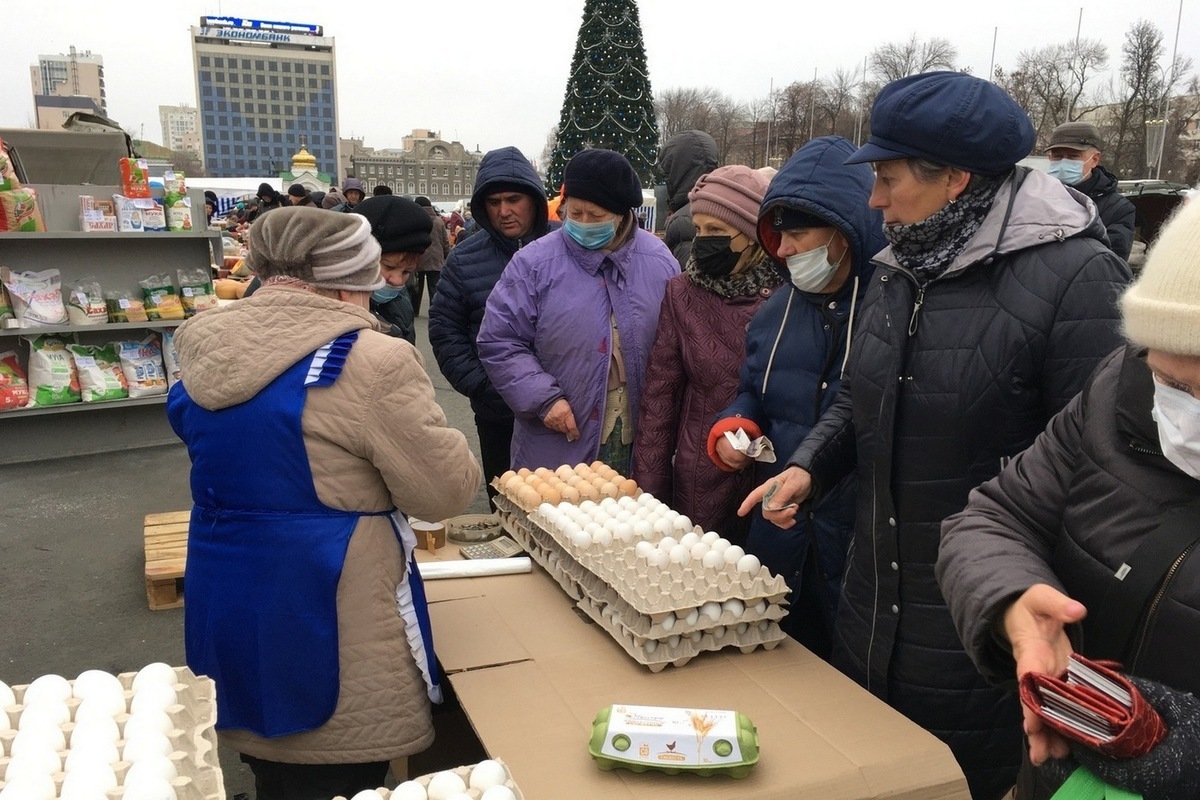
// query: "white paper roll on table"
[[473, 568]]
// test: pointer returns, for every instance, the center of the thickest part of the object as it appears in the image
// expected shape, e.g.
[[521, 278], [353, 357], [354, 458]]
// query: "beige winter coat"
[[375, 439]]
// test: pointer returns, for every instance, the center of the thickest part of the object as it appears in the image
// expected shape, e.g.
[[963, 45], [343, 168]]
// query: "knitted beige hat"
[[1162, 309], [327, 250], [731, 194]]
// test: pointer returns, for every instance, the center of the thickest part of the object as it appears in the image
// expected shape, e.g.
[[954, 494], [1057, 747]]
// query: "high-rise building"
[[181, 128], [66, 83], [261, 87]]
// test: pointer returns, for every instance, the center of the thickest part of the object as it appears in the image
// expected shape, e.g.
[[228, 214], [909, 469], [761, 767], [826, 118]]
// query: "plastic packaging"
[[100, 375], [36, 297], [85, 303]]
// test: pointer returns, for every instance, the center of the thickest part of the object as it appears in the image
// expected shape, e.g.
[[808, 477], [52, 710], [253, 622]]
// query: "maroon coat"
[[691, 378]]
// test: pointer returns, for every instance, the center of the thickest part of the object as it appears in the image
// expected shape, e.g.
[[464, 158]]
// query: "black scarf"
[[760, 275], [928, 248]]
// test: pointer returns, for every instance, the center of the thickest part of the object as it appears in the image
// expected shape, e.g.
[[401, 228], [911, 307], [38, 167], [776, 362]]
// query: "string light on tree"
[[608, 102]]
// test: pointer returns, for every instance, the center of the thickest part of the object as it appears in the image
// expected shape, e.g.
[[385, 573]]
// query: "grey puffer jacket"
[[946, 382], [1068, 512]]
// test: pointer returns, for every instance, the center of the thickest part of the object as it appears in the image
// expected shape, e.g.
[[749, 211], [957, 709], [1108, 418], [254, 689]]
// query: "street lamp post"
[[1166, 116]]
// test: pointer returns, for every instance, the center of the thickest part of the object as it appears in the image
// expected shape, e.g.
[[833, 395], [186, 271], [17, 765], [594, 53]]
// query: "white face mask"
[[811, 271], [1178, 416]]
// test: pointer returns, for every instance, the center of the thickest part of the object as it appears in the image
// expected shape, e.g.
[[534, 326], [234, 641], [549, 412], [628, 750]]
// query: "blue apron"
[[265, 556]]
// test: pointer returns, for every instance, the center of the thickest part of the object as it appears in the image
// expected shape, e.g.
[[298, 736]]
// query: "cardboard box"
[[531, 672]]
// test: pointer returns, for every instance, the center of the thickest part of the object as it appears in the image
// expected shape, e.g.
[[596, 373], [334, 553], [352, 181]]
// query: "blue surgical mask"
[[592, 235], [387, 294], [811, 271], [1067, 170]]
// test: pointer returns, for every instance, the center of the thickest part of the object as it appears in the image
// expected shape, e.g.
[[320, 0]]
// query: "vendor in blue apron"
[[312, 435]]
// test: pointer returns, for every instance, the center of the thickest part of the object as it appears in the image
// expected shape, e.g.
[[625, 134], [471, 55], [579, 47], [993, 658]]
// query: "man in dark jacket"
[[979, 326], [354, 192], [509, 205], [1061, 533], [430, 265], [1074, 154], [684, 158], [268, 198]]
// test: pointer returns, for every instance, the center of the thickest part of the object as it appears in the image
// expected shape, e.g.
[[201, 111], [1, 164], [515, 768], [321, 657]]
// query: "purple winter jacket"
[[546, 334]]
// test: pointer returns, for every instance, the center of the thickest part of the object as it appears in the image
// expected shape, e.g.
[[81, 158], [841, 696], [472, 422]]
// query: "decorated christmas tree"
[[608, 101]]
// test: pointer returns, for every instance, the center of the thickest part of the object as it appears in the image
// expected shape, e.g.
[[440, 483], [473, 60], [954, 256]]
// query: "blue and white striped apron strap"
[[327, 362], [414, 609]]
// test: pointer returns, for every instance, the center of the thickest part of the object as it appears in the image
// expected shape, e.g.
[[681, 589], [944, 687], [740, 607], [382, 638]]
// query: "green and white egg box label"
[[665, 737]]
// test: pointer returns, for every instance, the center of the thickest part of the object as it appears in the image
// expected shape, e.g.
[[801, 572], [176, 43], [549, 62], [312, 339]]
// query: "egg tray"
[[549, 557], [765, 633], [193, 738], [462, 772]]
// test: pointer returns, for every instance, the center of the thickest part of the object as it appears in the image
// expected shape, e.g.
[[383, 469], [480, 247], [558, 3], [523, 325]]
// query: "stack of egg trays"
[[194, 736], [613, 588], [462, 772]]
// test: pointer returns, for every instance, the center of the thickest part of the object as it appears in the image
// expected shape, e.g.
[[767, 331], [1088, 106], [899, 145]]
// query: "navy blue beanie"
[[397, 223], [603, 177], [949, 118]]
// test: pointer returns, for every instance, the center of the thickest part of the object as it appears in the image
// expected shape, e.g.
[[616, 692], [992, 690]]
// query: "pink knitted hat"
[[731, 194]]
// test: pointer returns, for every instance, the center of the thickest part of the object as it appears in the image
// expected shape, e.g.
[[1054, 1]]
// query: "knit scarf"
[[928, 248], [760, 275]]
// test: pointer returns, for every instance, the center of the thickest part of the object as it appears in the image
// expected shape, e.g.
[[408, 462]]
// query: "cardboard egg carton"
[[193, 737], [462, 772], [678, 649]]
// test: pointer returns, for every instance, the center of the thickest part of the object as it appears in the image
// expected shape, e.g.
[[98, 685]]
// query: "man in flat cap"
[[1074, 153]]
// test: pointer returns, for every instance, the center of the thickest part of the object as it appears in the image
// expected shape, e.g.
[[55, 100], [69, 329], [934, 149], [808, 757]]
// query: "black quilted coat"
[[947, 382]]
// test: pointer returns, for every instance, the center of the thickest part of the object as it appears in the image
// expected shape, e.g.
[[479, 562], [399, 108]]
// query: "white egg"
[[94, 776], [97, 729], [159, 766], [718, 631], [104, 702], [681, 555], [147, 721], [409, 790], [666, 543], [586, 506], [733, 554], [742, 627], [81, 791], [47, 687], [52, 712], [157, 672], [681, 524], [592, 528], [602, 537], [734, 606], [658, 559], [459, 796], [672, 641], [650, 646], [152, 697], [692, 617], [37, 739], [712, 559], [609, 504], [668, 622], [545, 508], [367, 794], [623, 515], [487, 774], [611, 524], [91, 681], [749, 564], [760, 607], [149, 744], [647, 500], [443, 785], [581, 539], [624, 532], [625, 501], [696, 636], [27, 787], [148, 788], [498, 793], [643, 549], [33, 763], [710, 537], [721, 545], [102, 754], [643, 513], [699, 551], [7, 697], [662, 525], [712, 610], [689, 539]]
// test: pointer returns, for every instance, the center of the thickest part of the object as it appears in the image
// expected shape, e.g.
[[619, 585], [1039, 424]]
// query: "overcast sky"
[[492, 72]]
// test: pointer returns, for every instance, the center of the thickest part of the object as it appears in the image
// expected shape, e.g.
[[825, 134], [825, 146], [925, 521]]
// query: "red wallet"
[[1095, 705]]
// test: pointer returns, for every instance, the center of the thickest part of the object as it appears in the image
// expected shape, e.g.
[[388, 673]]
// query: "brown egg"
[[607, 472], [574, 480], [628, 487], [564, 472], [513, 486], [608, 489], [598, 482], [596, 465], [542, 473], [538, 485], [524, 472], [506, 476], [530, 497], [570, 495], [551, 495], [588, 492]]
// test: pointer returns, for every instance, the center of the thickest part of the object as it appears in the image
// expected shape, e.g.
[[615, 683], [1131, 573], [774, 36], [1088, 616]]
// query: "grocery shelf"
[[65, 408], [130, 236], [108, 326]]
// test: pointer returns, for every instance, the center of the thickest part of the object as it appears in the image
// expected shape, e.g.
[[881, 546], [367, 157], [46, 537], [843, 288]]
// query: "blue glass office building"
[[260, 87]]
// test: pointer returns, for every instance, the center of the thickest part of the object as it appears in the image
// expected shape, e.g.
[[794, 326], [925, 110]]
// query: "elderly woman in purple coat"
[[569, 327]]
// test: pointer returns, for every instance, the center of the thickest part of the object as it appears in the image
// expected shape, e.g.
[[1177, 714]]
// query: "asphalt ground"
[[72, 592]]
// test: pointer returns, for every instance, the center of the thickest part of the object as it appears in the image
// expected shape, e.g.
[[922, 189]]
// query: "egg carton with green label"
[[487, 780], [674, 740], [144, 734], [678, 649]]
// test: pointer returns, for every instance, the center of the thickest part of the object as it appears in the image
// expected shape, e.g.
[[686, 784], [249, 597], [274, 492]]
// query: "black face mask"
[[713, 257]]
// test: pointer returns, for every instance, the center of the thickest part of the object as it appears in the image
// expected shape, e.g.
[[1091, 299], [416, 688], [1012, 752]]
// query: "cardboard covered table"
[[531, 673]]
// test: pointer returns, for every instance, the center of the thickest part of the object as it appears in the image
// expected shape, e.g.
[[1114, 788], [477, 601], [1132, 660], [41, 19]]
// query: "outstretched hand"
[[1035, 625], [780, 497]]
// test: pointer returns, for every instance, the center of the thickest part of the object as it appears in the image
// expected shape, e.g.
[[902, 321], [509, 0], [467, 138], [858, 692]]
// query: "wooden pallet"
[[166, 556]]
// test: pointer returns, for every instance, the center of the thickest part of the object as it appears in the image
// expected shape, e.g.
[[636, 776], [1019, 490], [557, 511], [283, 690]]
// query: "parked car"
[[1154, 201]]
